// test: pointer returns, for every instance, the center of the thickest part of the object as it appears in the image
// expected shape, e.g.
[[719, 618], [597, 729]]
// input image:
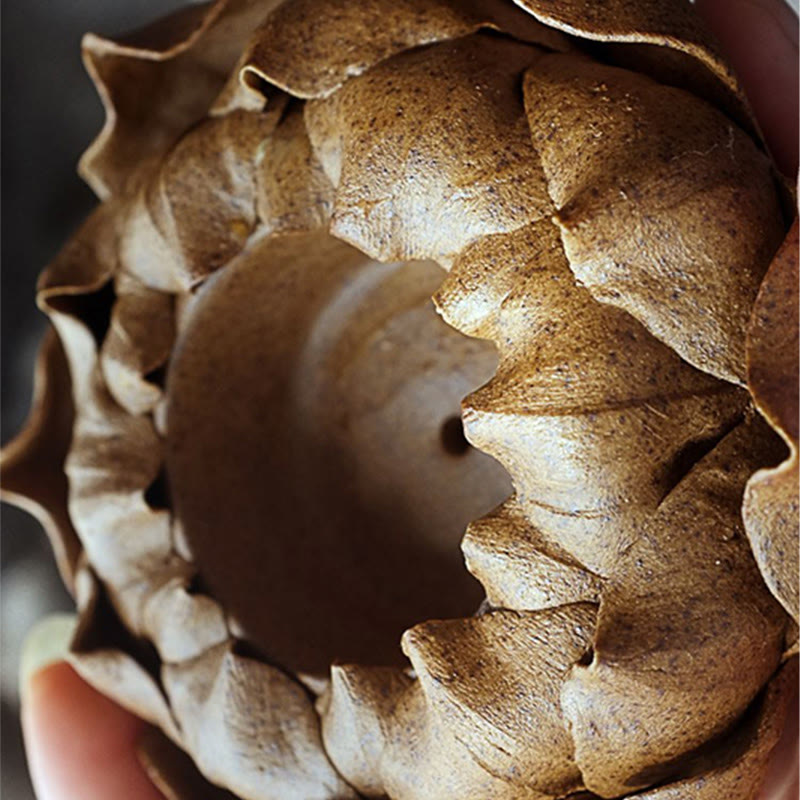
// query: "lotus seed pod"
[[413, 421]]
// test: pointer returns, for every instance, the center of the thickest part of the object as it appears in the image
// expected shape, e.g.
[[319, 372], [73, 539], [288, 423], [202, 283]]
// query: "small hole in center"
[[452, 435]]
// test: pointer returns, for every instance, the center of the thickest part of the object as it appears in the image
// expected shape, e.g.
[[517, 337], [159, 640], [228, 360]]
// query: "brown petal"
[[76, 292], [32, 464], [591, 416], [482, 720], [734, 767], [182, 624], [772, 342], [173, 771], [771, 499], [664, 38], [157, 82], [114, 459], [251, 728], [293, 192], [659, 197], [138, 343], [108, 657], [519, 567], [494, 682], [310, 48], [424, 173], [687, 633], [199, 208]]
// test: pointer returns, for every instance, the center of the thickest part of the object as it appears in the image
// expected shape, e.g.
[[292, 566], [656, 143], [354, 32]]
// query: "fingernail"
[[47, 642]]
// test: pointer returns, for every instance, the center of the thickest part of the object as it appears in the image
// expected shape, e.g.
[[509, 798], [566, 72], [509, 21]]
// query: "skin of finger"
[[760, 39], [80, 745]]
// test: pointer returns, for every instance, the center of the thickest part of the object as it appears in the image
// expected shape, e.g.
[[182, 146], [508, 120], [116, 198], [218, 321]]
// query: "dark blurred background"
[[50, 113]]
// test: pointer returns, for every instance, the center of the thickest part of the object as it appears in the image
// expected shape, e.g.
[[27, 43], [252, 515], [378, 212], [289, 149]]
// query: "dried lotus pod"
[[373, 278]]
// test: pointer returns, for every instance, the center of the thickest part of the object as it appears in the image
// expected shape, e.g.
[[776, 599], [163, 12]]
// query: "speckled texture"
[[618, 579], [771, 501]]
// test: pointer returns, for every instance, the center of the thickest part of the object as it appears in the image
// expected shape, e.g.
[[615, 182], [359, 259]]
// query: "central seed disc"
[[315, 458]]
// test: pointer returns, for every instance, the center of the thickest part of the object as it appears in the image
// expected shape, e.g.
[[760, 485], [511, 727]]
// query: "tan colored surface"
[[293, 492], [771, 500]]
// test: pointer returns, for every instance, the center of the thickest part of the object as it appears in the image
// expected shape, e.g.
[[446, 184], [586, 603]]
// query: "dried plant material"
[[137, 345], [268, 470], [293, 191], [32, 464], [520, 568], [158, 82], [108, 657], [662, 37], [616, 146], [735, 765], [199, 207], [687, 632], [354, 353], [590, 414], [456, 162], [483, 716], [771, 500], [173, 772], [310, 48], [274, 747]]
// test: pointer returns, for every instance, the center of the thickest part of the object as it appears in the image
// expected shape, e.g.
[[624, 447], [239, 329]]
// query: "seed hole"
[[452, 436]]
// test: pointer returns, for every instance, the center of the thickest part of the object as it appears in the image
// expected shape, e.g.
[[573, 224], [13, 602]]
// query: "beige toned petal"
[[519, 567], [687, 633], [659, 197], [106, 656], [359, 707], [664, 38], [293, 192], [32, 464], [772, 522], [380, 734], [197, 210], [137, 345], [495, 680], [251, 728], [771, 499], [734, 769], [426, 172], [173, 771], [483, 719], [76, 292], [114, 458], [416, 756], [310, 48], [593, 418], [181, 623], [157, 82]]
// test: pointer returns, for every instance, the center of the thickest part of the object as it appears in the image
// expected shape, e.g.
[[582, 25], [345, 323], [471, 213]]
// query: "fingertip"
[[80, 745]]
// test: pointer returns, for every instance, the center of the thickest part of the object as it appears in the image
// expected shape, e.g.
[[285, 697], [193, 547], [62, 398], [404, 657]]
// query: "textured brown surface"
[[771, 501], [310, 48], [426, 173], [646, 182], [291, 494], [32, 465]]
